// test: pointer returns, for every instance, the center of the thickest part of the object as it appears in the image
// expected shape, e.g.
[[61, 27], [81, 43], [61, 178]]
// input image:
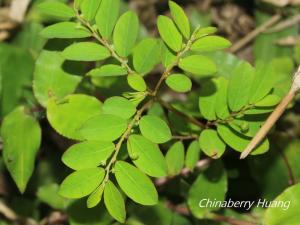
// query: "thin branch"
[[189, 137], [284, 24], [292, 178], [274, 116], [201, 165], [18, 10], [179, 113], [248, 38]]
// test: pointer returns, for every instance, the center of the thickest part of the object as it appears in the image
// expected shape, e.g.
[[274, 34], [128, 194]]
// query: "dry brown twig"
[[274, 116], [284, 24]]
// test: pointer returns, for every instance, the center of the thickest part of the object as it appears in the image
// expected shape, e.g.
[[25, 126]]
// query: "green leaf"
[[95, 198], [212, 185], [167, 55], [179, 83], [155, 129], [146, 156], [119, 106], [207, 100], [137, 82], [269, 100], [50, 79], [114, 202], [204, 31], [135, 184], [239, 86], [239, 142], [49, 195], [192, 155], [263, 82], [287, 210], [81, 183], [107, 16], [211, 144], [109, 70], [221, 107], [210, 43], [126, 33], [89, 9], [86, 51], [56, 9], [21, 136], [146, 55], [103, 128], [175, 158], [169, 33], [198, 65], [180, 19], [65, 30], [68, 115], [87, 154]]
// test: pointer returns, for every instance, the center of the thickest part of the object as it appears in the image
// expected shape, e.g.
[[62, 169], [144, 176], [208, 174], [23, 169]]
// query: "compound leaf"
[[89, 9], [86, 51], [114, 202], [198, 65], [119, 106], [56, 9], [179, 83], [65, 30], [146, 156], [136, 82], [169, 33], [135, 184], [211, 144], [192, 155], [210, 43], [175, 158], [126, 33], [109, 70], [87, 154], [180, 19], [103, 127], [81, 183], [155, 129]]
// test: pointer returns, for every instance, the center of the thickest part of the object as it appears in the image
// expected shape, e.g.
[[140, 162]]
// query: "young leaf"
[[21, 136], [114, 202], [198, 65], [50, 79], [146, 55], [180, 19], [107, 16], [239, 142], [89, 9], [146, 156], [263, 82], [65, 30], [126, 33], [81, 183], [175, 158], [95, 198], [135, 184], [211, 144], [210, 43], [210, 185], [192, 155], [109, 70], [239, 86], [204, 31], [86, 51], [56, 9], [269, 100], [67, 116], [136, 82], [103, 128], [207, 100], [179, 82], [169, 33], [119, 106], [87, 154], [155, 129]]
